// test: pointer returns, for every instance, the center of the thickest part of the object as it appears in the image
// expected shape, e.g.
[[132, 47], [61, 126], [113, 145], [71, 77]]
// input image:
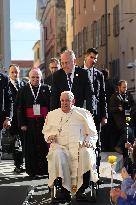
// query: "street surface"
[[36, 191]]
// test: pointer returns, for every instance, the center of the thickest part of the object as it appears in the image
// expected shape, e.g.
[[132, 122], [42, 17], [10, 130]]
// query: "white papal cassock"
[[67, 158]]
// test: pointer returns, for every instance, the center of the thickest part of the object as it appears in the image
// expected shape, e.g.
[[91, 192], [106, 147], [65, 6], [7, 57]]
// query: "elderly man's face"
[[66, 103], [67, 62], [35, 77]]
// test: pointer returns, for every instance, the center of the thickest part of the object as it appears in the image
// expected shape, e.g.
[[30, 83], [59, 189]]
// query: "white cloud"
[[26, 26]]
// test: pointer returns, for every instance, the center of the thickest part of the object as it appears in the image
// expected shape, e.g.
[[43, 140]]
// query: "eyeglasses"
[[53, 67]]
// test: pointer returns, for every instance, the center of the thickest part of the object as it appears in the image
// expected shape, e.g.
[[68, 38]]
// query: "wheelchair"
[[58, 197]]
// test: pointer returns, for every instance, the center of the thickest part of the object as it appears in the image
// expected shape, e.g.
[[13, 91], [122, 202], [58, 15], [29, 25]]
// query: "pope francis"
[[72, 136]]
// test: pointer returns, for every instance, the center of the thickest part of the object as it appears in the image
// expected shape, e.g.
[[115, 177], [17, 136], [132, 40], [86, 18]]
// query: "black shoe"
[[33, 176], [81, 196], [100, 181], [62, 196], [19, 170]]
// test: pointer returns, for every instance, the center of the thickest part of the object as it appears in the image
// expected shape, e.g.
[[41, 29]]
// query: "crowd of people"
[[61, 124]]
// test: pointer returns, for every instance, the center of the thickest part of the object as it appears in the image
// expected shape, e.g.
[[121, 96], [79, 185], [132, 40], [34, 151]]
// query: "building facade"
[[51, 14], [91, 28], [109, 26]]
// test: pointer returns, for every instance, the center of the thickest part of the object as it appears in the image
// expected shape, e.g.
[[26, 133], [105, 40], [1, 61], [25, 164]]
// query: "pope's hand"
[[87, 144], [51, 139]]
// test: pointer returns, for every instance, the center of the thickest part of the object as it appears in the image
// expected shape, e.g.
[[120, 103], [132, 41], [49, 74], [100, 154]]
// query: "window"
[[79, 44], [38, 53], [108, 24], [72, 16], [116, 20], [95, 34], [84, 4], [79, 6], [85, 39], [50, 26], [103, 30], [115, 70]]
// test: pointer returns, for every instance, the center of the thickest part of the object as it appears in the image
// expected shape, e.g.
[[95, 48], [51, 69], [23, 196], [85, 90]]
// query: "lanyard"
[[35, 96]]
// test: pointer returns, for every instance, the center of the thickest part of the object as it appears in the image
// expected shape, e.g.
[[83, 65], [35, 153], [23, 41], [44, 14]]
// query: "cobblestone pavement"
[[38, 193]]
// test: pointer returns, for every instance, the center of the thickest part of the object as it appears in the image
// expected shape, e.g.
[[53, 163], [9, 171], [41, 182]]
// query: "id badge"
[[36, 109], [127, 112]]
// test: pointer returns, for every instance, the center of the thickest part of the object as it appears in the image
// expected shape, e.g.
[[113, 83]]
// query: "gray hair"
[[70, 53], [69, 94], [37, 70]]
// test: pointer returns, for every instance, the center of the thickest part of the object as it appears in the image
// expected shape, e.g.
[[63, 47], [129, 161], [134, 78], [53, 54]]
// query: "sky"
[[25, 29]]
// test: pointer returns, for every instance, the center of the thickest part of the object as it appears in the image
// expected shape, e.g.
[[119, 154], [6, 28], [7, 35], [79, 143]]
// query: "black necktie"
[[17, 84], [69, 79]]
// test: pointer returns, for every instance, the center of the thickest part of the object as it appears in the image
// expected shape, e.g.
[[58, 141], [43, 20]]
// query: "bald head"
[[35, 76]]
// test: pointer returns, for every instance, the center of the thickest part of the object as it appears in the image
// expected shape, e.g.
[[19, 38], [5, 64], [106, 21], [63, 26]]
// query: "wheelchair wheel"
[[94, 187], [57, 196], [91, 192]]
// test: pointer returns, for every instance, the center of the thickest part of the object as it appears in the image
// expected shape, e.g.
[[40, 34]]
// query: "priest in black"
[[33, 104]]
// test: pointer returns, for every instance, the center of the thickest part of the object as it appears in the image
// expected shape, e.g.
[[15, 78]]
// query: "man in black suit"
[[14, 85], [5, 105], [72, 78], [54, 65], [99, 96], [121, 106], [98, 86]]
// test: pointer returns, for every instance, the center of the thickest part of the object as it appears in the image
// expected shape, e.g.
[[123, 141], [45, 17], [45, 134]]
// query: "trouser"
[[18, 152], [125, 134], [98, 143]]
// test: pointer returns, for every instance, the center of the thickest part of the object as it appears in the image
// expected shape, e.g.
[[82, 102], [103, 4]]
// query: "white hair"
[[70, 53], [69, 94]]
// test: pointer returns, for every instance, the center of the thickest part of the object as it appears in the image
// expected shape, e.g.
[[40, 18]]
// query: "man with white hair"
[[73, 78], [32, 108], [72, 135]]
